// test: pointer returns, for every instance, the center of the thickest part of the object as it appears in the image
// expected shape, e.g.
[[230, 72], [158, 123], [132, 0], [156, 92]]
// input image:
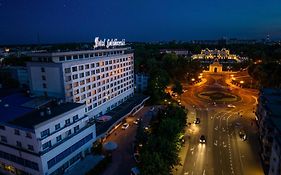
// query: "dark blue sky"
[[137, 20]]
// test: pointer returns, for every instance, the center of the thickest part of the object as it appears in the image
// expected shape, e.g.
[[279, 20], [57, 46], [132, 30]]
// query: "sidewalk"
[[191, 115]]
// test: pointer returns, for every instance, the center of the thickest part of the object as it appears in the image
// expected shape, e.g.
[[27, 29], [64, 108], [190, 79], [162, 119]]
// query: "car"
[[137, 157], [135, 171], [197, 121], [137, 121], [152, 109], [202, 139], [125, 125], [181, 138], [231, 106], [243, 135]]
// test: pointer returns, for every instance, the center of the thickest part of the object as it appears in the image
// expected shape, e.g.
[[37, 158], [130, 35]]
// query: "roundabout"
[[218, 96]]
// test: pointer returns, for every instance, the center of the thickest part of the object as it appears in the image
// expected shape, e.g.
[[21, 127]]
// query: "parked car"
[[152, 109], [197, 121], [135, 171], [231, 106], [137, 121], [125, 125], [202, 139]]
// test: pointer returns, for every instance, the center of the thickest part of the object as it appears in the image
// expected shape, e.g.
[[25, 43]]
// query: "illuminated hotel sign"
[[108, 43]]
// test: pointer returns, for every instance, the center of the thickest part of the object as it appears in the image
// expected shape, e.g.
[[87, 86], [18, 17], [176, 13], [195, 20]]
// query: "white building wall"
[[12, 138], [50, 124], [24, 155], [98, 78], [53, 79], [62, 147]]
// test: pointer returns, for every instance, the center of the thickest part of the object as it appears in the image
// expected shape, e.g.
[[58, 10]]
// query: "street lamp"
[[241, 82], [192, 79]]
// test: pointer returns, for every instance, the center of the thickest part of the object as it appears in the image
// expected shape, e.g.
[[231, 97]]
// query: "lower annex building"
[[42, 137]]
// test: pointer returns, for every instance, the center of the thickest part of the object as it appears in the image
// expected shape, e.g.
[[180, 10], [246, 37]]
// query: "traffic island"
[[218, 96]]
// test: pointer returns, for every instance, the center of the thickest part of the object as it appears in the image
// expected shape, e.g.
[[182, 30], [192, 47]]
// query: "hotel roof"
[[23, 111], [35, 117]]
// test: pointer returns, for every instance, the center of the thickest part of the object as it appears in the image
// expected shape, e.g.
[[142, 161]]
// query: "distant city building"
[[268, 115], [38, 136], [102, 79], [222, 56], [141, 81], [182, 53], [18, 73]]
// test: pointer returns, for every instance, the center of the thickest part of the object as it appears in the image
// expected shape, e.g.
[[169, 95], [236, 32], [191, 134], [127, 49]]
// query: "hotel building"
[[41, 137], [102, 79]]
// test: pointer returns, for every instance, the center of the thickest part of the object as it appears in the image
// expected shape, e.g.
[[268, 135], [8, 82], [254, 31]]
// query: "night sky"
[[59, 21]]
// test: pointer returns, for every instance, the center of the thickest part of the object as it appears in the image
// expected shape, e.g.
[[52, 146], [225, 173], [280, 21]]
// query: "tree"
[[177, 88]]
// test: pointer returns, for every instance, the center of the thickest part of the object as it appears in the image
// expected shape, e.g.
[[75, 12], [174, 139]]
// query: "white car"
[[152, 109], [231, 106], [125, 125], [137, 121]]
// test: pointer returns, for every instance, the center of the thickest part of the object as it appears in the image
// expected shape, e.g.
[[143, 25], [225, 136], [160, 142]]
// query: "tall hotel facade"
[[102, 79], [80, 85]]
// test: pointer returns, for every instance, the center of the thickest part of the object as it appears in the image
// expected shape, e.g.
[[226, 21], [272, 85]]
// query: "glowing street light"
[[192, 79], [241, 82], [233, 78], [232, 75], [201, 74]]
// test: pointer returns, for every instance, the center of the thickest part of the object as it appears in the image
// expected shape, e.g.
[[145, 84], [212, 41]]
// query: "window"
[[67, 122], [30, 147], [42, 69], [19, 144], [45, 133], [75, 76], [28, 135], [61, 59], [47, 145], [81, 67], [68, 57], [4, 139], [97, 64], [61, 156], [74, 69], [43, 77], [44, 85], [76, 128], [87, 66], [81, 75], [80, 56], [75, 118], [75, 57], [17, 132], [57, 126], [58, 138], [67, 70], [67, 133], [92, 65]]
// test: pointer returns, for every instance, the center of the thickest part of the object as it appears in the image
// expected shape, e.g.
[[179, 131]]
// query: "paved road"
[[224, 153], [122, 158]]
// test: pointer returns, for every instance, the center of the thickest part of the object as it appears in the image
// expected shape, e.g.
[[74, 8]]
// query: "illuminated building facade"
[[102, 79], [222, 54]]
